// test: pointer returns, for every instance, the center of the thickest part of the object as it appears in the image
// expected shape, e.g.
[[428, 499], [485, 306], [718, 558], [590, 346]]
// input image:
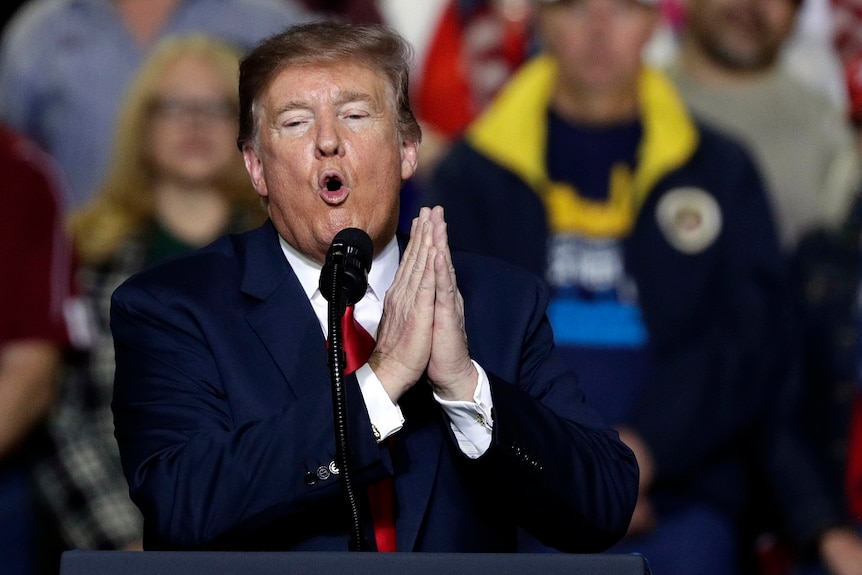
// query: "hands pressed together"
[[422, 328]]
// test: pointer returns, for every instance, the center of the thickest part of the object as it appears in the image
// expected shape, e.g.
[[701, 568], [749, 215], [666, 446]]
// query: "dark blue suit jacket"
[[223, 415]]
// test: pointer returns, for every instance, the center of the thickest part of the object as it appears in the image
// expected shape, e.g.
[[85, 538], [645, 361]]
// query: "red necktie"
[[854, 459], [358, 345]]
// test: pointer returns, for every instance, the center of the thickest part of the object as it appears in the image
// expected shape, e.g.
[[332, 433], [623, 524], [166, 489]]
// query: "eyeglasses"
[[178, 109]]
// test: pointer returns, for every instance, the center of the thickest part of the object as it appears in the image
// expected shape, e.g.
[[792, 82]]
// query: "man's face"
[[598, 43], [329, 155], [741, 34]]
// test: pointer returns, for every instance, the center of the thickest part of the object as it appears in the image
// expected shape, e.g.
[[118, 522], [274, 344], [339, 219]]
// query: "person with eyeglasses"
[[65, 66], [176, 182]]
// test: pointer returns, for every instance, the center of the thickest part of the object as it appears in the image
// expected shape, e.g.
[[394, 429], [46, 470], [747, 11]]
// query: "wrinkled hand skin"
[[422, 327]]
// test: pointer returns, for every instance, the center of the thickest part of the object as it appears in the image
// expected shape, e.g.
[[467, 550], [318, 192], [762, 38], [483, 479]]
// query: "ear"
[[409, 159], [254, 167]]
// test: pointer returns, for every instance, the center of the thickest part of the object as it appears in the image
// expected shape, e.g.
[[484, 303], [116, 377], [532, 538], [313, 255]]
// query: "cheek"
[[637, 28], [156, 147], [780, 18]]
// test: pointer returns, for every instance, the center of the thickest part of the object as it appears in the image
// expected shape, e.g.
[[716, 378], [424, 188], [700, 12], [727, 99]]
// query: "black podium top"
[[301, 563]]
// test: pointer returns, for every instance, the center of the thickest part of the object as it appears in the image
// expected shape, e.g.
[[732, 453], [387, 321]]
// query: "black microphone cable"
[[343, 281]]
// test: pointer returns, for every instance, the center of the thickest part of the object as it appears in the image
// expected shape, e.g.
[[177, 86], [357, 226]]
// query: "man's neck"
[[196, 216], [597, 108], [145, 18]]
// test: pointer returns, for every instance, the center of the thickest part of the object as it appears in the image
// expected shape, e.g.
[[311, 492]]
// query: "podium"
[[315, 563]]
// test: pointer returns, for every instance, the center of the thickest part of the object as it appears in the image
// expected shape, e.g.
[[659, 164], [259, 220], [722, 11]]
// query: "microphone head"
[[354, 249]]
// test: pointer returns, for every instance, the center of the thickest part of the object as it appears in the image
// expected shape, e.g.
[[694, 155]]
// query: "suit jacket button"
[[310, 478]]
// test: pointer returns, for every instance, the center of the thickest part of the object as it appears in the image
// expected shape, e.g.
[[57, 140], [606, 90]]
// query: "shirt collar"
[[383, 268]]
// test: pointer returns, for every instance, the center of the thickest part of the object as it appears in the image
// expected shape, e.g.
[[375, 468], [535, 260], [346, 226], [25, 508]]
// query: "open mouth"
[[333, 189]]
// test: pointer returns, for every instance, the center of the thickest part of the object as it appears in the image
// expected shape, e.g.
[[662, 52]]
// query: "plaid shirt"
[[81, 480]]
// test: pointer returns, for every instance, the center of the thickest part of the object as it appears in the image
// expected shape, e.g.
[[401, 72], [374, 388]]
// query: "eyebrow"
[[344, 97]]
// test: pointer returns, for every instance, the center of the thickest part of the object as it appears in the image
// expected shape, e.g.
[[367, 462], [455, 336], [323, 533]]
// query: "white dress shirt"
[[471, 421]]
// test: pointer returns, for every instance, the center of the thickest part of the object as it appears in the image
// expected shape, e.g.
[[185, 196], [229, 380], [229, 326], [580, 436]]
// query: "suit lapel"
[[283, 319]]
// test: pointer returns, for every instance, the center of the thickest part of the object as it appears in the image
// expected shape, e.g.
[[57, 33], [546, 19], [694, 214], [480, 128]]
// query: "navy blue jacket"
[[813, 422], [714, 319]]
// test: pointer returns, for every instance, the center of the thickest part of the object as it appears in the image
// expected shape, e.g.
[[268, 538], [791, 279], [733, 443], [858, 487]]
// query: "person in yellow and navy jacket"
[[656, 239]]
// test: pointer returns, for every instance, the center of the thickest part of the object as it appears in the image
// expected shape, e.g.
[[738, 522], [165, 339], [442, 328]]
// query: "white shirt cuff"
[[386, 417], [472, 421]]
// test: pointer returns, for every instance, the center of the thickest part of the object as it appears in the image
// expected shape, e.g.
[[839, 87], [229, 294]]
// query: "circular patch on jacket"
[[689, 218]]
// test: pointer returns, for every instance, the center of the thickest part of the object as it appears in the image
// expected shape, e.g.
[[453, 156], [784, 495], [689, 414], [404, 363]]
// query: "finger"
[[409, 255], [441, 242], [449, 299], [443, 287], [441, 239], [423, 245]]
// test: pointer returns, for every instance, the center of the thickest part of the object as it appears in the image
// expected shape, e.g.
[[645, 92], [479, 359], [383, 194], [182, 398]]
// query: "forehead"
[[326, 81], [191, 72]]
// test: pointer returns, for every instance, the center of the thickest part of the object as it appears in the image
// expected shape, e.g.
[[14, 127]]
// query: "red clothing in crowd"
[[34, 252]]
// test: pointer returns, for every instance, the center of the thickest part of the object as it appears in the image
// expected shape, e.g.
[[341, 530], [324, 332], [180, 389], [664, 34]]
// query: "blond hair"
[[124, 205]]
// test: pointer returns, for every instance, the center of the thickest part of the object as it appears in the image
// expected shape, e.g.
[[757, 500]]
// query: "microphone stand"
[[339, 403]]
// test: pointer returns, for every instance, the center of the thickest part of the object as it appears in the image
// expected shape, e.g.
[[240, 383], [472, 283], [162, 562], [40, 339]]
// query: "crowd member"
[[222, 398], [176, 182], [66, 64], [819, 501], [654, 234], [728, 72], [35, 267]]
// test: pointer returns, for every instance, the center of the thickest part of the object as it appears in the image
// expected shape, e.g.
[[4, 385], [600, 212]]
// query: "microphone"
[[343, 281], [350, 256]]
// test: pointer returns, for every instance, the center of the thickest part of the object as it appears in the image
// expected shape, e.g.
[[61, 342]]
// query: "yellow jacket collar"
[[513, 130]]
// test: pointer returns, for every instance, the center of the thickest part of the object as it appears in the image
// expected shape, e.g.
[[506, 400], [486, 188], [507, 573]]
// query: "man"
[[728, 71], [65, 66], [655, 237], [222, 404], [34, 265]]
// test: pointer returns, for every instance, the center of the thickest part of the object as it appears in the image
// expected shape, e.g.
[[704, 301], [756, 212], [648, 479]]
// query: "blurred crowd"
[[684, 174]]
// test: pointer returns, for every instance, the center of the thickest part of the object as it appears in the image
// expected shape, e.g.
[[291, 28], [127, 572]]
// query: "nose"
[[327, 138]]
